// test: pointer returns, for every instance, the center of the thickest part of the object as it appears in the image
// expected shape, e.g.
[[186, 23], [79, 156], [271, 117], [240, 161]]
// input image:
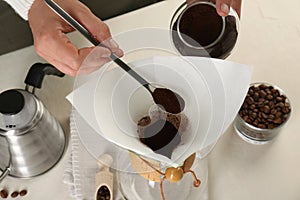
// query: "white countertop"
[[269, 40]]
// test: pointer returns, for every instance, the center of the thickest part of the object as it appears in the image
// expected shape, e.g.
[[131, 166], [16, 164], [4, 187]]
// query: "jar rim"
[[200, 47]]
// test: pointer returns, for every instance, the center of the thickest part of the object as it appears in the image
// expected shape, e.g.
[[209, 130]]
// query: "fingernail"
[[224, 8], [118, 52], [113, 44], [105, 53]]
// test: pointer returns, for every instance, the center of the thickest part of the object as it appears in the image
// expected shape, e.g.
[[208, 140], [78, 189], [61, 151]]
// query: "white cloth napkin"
[[82, 166]]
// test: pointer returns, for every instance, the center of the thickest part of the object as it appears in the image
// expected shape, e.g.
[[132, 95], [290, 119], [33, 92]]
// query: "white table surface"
[[269, 40]]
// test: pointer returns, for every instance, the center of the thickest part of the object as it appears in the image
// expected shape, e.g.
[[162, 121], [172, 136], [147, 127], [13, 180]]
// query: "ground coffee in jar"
[[200, 31]]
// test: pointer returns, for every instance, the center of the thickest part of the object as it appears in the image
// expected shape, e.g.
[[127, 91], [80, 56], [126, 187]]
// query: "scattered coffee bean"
[[4, 193], [23, 193], [264, 107], [14, 194]]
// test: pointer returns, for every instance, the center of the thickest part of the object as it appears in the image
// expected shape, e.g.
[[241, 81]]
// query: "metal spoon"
[[169, 100]]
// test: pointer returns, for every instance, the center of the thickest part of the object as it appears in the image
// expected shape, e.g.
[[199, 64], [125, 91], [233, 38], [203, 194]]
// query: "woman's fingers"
[[223, 6], [51, 42]]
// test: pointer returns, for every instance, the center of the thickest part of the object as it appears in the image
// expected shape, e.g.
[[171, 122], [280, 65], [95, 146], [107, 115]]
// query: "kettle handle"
[[37, 71], [4, 174]]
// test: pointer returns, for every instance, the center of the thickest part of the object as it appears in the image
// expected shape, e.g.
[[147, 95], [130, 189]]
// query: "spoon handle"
[[76, 25]]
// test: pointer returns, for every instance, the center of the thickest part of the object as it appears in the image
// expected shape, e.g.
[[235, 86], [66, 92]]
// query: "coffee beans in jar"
[[265, 109]]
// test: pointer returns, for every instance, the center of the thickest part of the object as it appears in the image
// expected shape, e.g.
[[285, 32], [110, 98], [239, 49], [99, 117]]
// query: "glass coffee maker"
[[125, 102]]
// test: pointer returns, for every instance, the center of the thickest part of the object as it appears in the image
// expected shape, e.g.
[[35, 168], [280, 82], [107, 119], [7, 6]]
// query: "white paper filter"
[[112, 101]]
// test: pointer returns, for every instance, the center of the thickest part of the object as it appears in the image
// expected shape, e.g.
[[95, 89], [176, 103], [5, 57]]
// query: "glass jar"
[[136, 185], [266, 109], [198, 30]]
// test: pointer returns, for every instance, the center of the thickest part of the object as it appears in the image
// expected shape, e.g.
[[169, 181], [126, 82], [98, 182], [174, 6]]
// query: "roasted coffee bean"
[[265, 116], [262, 87], [271, 126], [256, 96], [4, 193], [261, 126], [279, 99], [245, 105], [275, 92], [278, 114], [271, 117], [255, 123], [103, 193], [269, 97], [23, 193], [277, 121], [273, 111], [250, 92], [260, 103], [285, 110], [254, 115], [271, 104], [264, 107], [252, 106], [14, 194], [262, 94], [280, 105]]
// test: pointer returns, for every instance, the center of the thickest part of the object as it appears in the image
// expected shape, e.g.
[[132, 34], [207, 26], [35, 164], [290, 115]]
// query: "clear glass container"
[[134, 186], [198, 30], [257, 135]]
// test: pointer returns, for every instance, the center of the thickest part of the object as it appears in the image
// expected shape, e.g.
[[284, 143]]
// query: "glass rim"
[[182, 13]]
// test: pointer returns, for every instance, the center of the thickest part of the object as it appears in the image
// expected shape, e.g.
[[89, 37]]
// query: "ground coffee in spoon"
[[168, 100]]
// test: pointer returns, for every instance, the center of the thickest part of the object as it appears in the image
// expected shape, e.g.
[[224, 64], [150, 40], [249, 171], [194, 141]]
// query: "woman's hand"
[[51, 43], [223, 6]]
